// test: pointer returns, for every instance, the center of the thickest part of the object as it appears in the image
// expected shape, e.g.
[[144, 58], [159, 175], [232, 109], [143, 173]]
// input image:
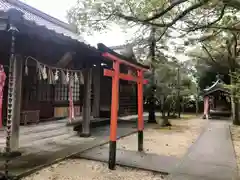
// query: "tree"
[[221, 53], [100, 14], [236, 86], [152, 52], [193, 21], [167, 90]]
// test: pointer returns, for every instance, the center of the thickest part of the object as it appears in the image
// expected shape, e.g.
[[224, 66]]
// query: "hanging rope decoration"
[[54, 74]]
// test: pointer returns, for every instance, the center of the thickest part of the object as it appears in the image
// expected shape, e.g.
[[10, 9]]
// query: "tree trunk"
[[174, 113], [165, 122], [178, 94], [197, 105], [163, 113], [235, 107], [151, 111], [182, 105], [235, 103]]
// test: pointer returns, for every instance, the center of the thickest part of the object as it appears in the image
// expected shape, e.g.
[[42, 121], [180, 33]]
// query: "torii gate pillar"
[[116, 75]]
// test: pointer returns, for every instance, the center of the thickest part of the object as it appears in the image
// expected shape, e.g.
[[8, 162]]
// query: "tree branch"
[[160, 14], [234, 45], [211, 23], [130, 8], [147, 21], [206, 38], [225, 28], [162, 34], [232, 3], [208, 53]]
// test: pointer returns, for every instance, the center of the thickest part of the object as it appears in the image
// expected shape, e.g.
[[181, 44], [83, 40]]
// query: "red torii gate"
[[116, 75]]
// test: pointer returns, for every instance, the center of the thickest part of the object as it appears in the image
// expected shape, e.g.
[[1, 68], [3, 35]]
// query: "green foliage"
[[235, 87], [206, 79], [214, 24], [97, 15], [217, 55], [168, 87]]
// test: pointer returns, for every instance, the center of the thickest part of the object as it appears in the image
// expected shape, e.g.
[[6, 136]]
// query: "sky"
[[114, 37], [58, 9]]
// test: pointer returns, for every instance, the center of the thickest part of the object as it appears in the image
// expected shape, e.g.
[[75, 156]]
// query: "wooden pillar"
[[206, 107], [14, 94], [136, 98], [17, 73], [140, 110], [114, 116], [87, 103], [96, 90]]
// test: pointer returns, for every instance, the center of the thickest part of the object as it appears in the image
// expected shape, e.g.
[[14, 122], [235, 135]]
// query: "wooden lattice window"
[[61, 92], [44, 89], [76, 91], [30, 85], [32, 93]]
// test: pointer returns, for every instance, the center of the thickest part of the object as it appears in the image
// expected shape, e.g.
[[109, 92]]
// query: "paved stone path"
[[45, 143], [211, 157], [42, 147], [135, 159], [41, 136]]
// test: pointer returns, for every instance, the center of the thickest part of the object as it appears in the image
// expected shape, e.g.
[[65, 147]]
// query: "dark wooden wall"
[[50, 52], [127, 97]]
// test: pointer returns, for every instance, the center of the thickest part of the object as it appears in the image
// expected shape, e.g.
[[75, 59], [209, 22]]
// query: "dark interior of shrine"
[[220, 103]]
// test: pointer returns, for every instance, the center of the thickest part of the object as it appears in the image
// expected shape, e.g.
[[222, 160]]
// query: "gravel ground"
[[166, 141], [173, 141], [91, 170], [235, 130]]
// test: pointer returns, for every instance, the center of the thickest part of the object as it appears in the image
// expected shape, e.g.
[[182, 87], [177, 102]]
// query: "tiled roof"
[[125, 50], [40, 18], [217, 86], [111, 50]]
